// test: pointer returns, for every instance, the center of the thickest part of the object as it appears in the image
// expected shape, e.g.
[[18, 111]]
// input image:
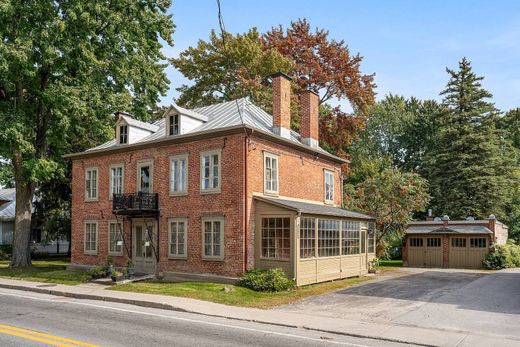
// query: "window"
[[178, 229], [123, 134], [329, 186], [416, 242], [179, 175], [479, 242], [91, 184], [270, 173], [371, 238], [90, 237], [458, 242], [350, 237], [210, 171], [174, 124], [276, 238], [307, 238], [328, 237], [115, 239], [116, 180], [433, 242], [213, 238], [145, 176]]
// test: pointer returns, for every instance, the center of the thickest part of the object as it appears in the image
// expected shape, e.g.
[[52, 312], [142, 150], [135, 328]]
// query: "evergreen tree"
[[470, 168]]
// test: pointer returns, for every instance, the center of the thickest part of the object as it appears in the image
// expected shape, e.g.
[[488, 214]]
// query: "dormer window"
[[123, 134], [174, 124]]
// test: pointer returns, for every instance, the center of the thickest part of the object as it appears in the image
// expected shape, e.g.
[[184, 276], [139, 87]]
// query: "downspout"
[[246, 138]]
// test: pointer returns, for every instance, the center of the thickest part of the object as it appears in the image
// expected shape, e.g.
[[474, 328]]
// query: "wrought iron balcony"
[[136, 204]]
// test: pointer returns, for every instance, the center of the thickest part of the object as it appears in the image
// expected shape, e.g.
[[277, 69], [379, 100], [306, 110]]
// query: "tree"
[[65, 66], [470, 167], [6, 175], [391, 196]]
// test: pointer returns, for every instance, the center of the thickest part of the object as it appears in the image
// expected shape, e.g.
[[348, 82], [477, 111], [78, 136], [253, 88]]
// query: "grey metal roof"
[[457, 229], [310, 208], [222, 115], [138, 124], [7, 209]]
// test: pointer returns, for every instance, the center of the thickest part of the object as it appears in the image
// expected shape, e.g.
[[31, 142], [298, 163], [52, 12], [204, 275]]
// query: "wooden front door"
[[144, 247]]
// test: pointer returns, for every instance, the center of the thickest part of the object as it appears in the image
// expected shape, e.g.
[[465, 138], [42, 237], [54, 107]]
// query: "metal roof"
[[7, 209], [310, 208], [138, 124], [219, 116], [457, 229]]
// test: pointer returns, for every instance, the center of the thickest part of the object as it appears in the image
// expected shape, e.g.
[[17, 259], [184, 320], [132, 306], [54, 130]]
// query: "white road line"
[[188, 320]]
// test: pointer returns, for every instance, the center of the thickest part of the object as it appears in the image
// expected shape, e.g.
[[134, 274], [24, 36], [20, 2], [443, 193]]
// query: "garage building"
[[451, 244]]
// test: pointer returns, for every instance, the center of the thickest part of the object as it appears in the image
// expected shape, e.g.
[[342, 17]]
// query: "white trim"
[[222, 233], [186, 175], [177, 220], [276, 216], [114, 166], [325, 173], [96, 223], [140, 164], [211, 190], [91, 169], [114, 222], [167, 122], [277, 178]]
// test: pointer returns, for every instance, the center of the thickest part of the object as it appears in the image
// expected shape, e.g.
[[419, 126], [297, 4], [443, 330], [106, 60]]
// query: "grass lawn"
[[392, 263], [240, 296], [51, 270]]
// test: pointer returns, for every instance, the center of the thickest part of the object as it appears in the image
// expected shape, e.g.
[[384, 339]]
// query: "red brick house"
[[218, 190], [451, 243]]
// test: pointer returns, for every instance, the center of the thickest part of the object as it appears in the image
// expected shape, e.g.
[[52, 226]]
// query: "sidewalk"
[[388, 332]]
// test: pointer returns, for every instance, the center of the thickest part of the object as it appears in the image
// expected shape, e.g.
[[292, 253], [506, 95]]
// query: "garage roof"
[[7, 208], [457, 229], [310, 208]]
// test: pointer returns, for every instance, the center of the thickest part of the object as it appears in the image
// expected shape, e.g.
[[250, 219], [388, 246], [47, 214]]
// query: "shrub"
[[5, 252], [266, 280], [502, 257], [97, 272]]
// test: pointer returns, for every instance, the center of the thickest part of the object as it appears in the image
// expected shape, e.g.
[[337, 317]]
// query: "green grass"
[[391, 263], [239, 296], [51, 270]]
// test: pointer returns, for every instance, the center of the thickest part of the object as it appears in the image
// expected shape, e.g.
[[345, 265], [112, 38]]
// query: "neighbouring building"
[[218, 190], [39, 241], [451, 243]]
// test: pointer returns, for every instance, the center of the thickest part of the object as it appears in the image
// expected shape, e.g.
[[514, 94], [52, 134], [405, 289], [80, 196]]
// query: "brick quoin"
[[300, 176]]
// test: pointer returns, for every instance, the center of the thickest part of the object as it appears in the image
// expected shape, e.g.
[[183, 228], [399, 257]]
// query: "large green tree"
[[470, 166], [65, 66]]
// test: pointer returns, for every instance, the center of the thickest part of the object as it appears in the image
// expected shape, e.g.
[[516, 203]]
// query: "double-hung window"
[[213, 238], [123, 134], [179, 175], [178, 229], [116, 180], [173, 124], [115, 239], [270, 173], [210, 171], [91, 184], [145, 176], [328, 178], [91, 233]]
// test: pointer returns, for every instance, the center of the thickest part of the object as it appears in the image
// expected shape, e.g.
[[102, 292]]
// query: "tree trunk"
[[22, 222]]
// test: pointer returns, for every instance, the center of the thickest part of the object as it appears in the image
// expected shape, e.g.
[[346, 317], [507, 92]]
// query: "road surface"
[[31, 319]]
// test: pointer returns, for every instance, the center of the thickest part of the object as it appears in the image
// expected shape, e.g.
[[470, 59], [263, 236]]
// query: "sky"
[[407, 44]]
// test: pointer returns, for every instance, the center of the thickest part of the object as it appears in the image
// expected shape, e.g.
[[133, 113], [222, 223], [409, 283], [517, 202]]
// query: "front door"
[[144, 241]]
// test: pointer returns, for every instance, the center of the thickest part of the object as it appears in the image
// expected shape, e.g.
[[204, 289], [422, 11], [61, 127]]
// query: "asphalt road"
[[31, 319]]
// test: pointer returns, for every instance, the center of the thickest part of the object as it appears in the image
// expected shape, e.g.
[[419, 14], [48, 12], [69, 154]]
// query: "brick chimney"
[[493, 225], [281, 104], [309, 126]]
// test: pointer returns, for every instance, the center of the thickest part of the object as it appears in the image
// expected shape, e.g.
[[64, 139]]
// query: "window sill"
[[115, 254], [173, 194], [271, 193], [92, 200], [177, 257], [90, 253], [212, 258], [208, 192], [328, 202], [276, 259]]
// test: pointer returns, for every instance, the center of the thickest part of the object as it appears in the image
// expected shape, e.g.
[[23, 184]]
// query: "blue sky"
[[407, 44]]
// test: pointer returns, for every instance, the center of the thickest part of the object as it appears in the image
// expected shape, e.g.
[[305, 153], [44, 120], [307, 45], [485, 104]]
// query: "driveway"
[[458, 300]]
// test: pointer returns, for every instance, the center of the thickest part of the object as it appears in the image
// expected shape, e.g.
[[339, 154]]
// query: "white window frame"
[[118, 133], [186, 174], [140, 164], [111, 186], [168, 124], [211, 189], [92, 198], [110, 241], [90, 251], [185, 248], [282, 238], [276, 179], [222, 241], [328, 173]]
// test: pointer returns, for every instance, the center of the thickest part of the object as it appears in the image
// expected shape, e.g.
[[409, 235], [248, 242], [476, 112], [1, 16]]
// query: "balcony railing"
[[135, 203]]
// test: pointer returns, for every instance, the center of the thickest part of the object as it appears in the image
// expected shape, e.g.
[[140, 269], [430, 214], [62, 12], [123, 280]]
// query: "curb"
[[163, 306]]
